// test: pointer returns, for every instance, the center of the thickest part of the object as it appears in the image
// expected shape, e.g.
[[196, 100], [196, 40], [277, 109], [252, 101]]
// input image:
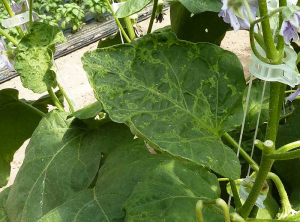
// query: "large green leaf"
[[3, 199], [61, 159], [288, 170], [203, 27], [34, 59], [198, 6], [170, 193], [177, 95], [18, 120], [123, 169], [131, 7]]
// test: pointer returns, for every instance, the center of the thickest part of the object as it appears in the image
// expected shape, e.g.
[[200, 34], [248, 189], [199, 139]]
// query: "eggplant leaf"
[[131, 7], [198, 6], [179, 96]]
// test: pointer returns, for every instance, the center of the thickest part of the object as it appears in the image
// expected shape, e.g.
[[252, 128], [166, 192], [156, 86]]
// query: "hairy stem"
[[235, 194], [152, 16], [30, 12], [67, 97], [12, 14], [286, 205], [288, 147], [280, 41], [129, 27], [55, 99]]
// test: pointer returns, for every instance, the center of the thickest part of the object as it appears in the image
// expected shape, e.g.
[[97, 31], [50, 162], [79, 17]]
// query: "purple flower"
[[4, 60], [238, 17], [293, 95], [289, 29]]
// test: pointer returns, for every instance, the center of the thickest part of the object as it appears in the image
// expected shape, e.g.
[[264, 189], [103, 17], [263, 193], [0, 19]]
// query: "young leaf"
[[198, 6], [61, 159], [288, 170], [3, 199], [203, 27], [34, 58], [110, 41], [131, 7], [123, 169], [18, 120], [177, 95], [89, 111]]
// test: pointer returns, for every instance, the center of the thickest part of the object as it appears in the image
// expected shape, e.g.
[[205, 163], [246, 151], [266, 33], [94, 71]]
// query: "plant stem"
[[285, 156], [12, 14], [37, 111], [67, 97], [286, 205], [117, 21], [152, 16], [9, 37], [288, 147], [129, 27], [280, 41], [235, 193], [271, 50], [244, 154], [55, 99], [30, 13]]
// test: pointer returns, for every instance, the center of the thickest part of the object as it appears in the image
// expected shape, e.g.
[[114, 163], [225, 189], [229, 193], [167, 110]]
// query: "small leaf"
[[62, 158], [110, 41], [89, 111], [17, 123], [177, 95], [131, 7], [34, 58]]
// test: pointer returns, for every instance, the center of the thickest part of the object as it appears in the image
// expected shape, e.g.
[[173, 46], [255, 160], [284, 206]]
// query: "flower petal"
[[293, 95]]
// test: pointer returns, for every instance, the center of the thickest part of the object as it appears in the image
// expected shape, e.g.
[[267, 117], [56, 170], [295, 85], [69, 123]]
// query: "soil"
[[73, 78]]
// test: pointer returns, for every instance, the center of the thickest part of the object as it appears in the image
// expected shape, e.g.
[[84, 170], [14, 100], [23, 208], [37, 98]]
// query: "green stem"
[[235, 193], [66, 96], [224, 206], [117, 21], [244, 154], [37, 111], [280, 42], [152, 16], [285, 156], [9, 37], [288, 147], [30, 13], [271, 50], [266, 161], [290, 91], [12, 14], [55, 99], [264, 169], [129, 27], [286, 205], [221, 203], [199, 207]]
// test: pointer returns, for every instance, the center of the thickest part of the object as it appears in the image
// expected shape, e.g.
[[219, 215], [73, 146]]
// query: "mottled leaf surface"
[[198, 6], [203, 27], [17, 123], [90, 111], [123, 169], [288, 170], [61, 159], [177, 95], [170, 193], [131, 7], [34, 59], [3, 199]]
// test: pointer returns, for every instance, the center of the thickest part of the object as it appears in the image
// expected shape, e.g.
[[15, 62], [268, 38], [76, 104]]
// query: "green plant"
[[70, 14], [188, 101], [97, 7]]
